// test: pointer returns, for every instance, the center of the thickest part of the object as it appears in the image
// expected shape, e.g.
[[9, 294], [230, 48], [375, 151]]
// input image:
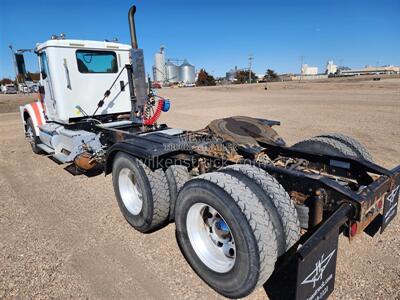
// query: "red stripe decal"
[[37, 113]]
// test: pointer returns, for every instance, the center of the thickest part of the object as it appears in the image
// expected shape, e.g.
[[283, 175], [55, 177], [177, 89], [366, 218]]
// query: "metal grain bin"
[[172, 72], [187, 72]]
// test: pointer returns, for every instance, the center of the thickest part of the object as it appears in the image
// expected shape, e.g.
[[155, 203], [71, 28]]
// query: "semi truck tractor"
[[250, 210]]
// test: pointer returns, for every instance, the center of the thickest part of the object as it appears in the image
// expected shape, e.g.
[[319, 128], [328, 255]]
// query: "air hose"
[[150, 121]]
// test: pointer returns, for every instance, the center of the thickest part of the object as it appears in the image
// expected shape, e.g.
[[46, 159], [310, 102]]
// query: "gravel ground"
[[63, 236], [11, 102]]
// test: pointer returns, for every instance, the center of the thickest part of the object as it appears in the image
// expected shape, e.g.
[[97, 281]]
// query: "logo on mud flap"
[[392, 195], [320, 266], [390, 207], [391, 210]]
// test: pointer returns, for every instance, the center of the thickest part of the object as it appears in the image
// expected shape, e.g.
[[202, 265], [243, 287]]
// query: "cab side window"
[[92, 61], [43, 65]]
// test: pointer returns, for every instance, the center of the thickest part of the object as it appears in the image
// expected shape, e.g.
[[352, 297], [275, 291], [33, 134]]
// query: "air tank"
[[187, 72], [172, 72]]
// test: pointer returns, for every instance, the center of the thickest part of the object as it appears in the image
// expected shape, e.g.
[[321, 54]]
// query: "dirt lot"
[[63, 236]]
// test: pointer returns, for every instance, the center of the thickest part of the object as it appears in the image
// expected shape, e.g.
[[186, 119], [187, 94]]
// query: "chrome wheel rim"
[[211, 237], [129, 191]]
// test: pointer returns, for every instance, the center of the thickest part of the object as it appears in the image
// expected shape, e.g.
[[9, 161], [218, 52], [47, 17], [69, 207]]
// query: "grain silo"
[[159, 67], [187, 72], [172, 72]]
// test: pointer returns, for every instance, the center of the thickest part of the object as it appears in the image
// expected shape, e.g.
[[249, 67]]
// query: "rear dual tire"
[[335, 144], [176, 176], [274, 199], [359, 149], [232, 269], [142, 194], [227, 225]]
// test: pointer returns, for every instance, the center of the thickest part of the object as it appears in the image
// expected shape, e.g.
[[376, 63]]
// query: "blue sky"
[[217, 35]]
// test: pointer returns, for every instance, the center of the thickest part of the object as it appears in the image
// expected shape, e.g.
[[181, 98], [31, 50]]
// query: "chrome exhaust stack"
[[136, 74], [132, 27]]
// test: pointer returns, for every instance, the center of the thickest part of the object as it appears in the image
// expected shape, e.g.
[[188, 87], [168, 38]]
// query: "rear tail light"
[[379, 204], [353, 229]]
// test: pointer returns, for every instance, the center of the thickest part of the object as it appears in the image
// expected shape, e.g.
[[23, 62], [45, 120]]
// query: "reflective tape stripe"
[[42, 112], [37, 113]]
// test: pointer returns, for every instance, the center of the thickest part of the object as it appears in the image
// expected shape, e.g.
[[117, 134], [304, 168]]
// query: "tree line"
[[28, 76], [241, 76]]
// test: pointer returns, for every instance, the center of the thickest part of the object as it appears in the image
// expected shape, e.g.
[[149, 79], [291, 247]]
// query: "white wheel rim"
[[129, 191], [211, 237], [29, 135]]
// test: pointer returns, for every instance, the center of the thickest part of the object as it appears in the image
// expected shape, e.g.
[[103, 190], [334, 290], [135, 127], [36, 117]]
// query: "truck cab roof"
[[82, 44]]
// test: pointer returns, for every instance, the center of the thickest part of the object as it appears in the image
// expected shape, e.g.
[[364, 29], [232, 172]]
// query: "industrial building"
[[331, 68], [307, 70], [159, 66], [231, 74], [308, 77], [167, 72], [370, 71]]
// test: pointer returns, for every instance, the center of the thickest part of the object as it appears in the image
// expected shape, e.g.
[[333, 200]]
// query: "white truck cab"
[[75, 75]]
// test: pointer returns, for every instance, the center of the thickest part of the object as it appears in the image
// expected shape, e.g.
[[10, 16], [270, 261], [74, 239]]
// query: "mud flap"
[[390, 206], [309, 273], [391, 203]]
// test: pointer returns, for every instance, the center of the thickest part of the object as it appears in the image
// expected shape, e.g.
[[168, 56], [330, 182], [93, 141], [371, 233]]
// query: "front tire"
[[33, 139], [225, 234], [142, 194]]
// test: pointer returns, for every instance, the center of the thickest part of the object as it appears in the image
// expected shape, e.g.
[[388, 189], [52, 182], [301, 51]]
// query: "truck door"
[[46, 86]]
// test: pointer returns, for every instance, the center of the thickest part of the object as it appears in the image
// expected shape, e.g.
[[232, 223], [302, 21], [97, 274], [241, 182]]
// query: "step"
[[45, 148]]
